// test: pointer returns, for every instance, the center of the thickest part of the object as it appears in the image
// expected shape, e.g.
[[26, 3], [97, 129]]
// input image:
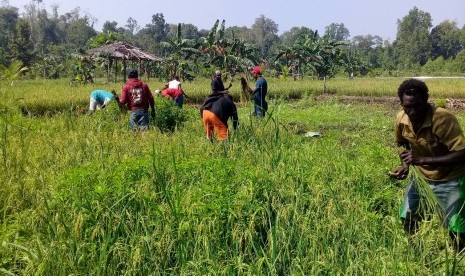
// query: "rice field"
[[84, 195], [39, 97]]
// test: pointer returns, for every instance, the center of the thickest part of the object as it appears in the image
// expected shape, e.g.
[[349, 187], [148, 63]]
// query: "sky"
[[360, 17]]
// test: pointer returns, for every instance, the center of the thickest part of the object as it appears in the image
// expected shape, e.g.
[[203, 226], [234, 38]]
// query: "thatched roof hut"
[[119, 50]]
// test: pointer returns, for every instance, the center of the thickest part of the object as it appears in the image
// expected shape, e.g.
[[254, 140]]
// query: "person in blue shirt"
[[259, 93], [100, 99]]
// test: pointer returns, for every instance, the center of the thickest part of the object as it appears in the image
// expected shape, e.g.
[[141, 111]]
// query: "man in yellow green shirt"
[[433, 143]]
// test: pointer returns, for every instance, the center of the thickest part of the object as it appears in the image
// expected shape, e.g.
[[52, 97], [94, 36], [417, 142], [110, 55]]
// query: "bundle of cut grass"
[[428, 201], [245, 89]]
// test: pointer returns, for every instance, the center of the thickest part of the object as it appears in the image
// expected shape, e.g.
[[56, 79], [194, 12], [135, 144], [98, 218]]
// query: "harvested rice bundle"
[[245, 87]]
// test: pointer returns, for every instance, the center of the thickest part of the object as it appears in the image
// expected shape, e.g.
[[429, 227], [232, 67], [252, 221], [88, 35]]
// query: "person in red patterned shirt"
[[138, 98]]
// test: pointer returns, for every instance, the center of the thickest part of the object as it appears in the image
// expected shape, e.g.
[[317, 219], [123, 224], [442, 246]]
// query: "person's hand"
[[410, 159], [400, 173]]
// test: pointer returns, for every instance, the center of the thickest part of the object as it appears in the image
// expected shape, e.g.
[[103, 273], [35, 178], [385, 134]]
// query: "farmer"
[[138, 97], [217, 83], [215, 112], [173, 90], [433, 143], [259, 93], [100, 99]]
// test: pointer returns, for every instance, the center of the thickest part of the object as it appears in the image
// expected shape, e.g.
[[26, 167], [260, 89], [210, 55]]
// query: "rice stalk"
[[430, 206], [428, 201]]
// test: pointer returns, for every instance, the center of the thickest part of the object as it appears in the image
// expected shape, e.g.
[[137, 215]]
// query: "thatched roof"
[[122, 51]]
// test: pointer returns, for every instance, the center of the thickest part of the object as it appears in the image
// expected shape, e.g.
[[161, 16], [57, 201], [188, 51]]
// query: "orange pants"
[[213, 124]]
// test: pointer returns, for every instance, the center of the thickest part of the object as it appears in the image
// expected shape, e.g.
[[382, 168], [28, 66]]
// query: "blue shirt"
[[100, 96], [262, 86]]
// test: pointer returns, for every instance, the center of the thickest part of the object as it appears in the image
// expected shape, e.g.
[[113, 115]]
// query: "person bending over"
[[215, 111], [99, 99]]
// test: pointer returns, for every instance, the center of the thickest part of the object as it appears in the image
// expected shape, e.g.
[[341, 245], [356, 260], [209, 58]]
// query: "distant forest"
[[42, 43]]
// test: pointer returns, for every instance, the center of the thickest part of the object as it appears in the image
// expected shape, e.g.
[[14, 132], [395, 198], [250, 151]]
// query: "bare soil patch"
[[389, 101]]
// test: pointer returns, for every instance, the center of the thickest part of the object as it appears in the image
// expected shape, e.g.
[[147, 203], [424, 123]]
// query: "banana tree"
[[353, 64], [331, 54], [206, 45], [235, 56], [305, 54], [83, 68], [183, 51], [12, 72], [230, 54], [103, 39]]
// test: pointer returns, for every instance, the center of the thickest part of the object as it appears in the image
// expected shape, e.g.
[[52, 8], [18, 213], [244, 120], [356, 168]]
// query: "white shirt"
[[174, 84]]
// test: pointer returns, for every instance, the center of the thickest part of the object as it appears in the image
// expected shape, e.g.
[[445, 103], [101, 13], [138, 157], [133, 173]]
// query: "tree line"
[[51, 45]]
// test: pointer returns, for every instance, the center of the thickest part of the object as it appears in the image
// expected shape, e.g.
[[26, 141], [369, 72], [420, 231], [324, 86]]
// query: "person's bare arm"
[[452, 158]]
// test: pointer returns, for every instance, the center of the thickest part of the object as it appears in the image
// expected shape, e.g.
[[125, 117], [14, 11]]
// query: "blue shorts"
[[450, 198]]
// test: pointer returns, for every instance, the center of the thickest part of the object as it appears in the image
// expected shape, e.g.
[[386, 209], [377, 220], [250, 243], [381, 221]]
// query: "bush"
[[168, 115]]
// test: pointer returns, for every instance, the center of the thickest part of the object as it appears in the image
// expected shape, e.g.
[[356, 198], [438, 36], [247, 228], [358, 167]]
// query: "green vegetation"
[[56, 46], [84, 195]]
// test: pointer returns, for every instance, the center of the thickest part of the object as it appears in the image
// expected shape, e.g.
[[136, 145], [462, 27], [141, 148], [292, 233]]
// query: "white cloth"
[[174, 84]]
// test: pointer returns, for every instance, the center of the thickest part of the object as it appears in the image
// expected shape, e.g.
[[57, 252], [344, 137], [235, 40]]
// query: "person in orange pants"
[[215, 111]]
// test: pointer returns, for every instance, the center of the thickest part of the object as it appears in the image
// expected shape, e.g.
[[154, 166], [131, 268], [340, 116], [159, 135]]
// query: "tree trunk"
[[324, 85]]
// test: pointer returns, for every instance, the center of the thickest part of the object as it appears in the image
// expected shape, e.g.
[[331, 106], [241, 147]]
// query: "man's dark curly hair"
[[413, 87]]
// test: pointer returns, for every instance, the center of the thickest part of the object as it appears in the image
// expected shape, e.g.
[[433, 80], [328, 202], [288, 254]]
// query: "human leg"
[[139, 119], [451, 199], [179, 100], [143, 120], [207, 118], [92, 105], [133, 118], [260, 105], [213, 125], [410, 212], [221, 130], [256, 101], [106, 102]]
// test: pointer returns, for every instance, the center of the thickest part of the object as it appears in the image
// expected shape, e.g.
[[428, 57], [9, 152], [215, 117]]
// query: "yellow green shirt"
[[439, 135]]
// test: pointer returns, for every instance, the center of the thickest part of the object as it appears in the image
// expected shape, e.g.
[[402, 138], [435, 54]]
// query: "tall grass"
[[85, 195]]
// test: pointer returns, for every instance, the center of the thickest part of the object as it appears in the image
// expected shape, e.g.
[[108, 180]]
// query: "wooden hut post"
[[140, 67], [108, 69], [124, 69], [116, 70]]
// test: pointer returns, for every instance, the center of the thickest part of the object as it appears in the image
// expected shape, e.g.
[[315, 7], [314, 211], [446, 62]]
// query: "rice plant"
[[84, 195]]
